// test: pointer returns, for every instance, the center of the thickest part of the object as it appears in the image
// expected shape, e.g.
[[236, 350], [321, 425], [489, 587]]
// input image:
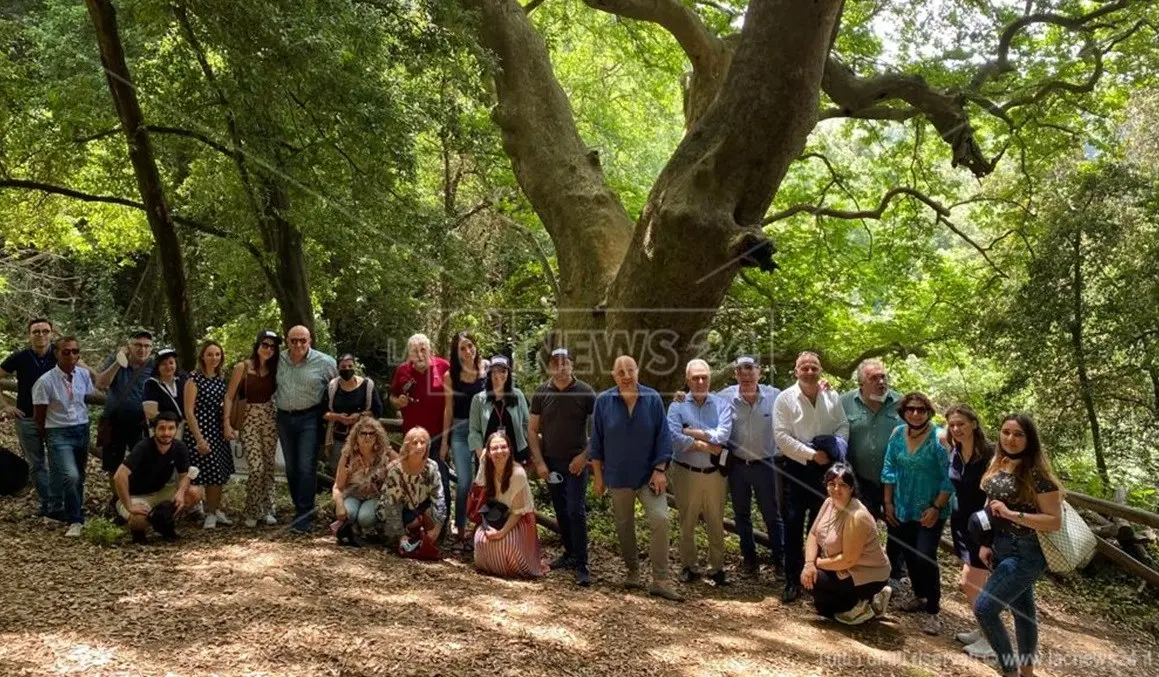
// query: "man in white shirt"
[[801, 413]]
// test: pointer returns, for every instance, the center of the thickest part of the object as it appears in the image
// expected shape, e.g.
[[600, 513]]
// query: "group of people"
[[823, 467]]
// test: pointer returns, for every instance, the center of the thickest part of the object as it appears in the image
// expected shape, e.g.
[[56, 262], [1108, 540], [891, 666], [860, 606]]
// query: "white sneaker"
[[270, 519], [222, 519], [210, 522], [74, 530], [251, 523], [857, 615], [880, 602], [981, 650], [969, 637]]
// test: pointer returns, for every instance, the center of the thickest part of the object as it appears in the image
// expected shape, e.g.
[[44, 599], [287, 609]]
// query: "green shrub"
[[102, 532]]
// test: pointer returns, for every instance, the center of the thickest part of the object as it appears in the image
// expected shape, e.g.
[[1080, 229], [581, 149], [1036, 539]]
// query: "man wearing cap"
[[303, 374], [750, 463], [804, 412], [418, 392], [699, 425], [123, 377], [561, 412], [872, 412], [29, 365], [630, 451]]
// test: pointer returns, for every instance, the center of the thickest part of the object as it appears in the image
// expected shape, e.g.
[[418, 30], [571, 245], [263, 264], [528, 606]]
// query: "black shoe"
[[140, 538], [688, 575], [791, 594], [749, 568], [564, 561], [720, 579], [778, 569], [582, 577]]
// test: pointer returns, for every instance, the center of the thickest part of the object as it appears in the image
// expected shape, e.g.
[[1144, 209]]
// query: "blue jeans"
[[361, 512], [919, 546], [569, 499], [464, 459], [68, 452], [298, 435], [1018, 563], [758, 478], [32, 442]]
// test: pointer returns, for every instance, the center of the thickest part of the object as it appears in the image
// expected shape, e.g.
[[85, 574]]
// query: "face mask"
[[346, 374]]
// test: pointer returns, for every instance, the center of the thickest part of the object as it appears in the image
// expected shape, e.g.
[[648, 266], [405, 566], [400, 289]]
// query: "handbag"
[[476, 499], [494, 514], [1071, 547]]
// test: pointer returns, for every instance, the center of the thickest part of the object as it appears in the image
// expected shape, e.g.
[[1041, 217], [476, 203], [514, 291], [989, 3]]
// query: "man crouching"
[[156, 472]]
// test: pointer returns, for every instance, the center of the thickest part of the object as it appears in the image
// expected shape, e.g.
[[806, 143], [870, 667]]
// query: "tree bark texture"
[[1076, 334], [652, 288], [157, 212]]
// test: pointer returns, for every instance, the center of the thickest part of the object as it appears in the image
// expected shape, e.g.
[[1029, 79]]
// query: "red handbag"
[[427, 549], [476, 500]]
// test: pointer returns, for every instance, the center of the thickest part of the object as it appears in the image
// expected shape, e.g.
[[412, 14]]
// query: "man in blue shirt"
[[58, 405], [700, 425], [630, 451], [123, 377], [750, 462], [303, 376], [29, 365]]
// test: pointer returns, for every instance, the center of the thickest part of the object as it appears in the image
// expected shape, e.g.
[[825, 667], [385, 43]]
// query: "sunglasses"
[[916, 410], [368, 433], [69, 351], [263, 344], [299, 341]]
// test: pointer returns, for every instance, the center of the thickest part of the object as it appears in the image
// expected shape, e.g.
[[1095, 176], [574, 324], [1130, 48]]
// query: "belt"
[[308, 410], [754, 461], [695, 469]]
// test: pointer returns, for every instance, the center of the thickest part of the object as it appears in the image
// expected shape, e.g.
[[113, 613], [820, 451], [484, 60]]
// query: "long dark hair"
[[457, 363], [256, 360], [982, 447], [1033, 459], [489, 466]]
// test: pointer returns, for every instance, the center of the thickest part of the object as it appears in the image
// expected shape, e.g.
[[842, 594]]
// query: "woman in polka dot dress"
[[210, 452]]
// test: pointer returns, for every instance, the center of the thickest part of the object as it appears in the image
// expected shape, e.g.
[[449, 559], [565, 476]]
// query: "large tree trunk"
[[650, 290], [1086, 391], [148, 179], [289, 280]]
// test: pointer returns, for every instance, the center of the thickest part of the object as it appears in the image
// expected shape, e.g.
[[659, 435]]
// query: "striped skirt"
[[517, 554]]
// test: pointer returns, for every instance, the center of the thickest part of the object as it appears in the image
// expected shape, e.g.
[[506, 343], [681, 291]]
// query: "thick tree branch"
[[161, 129]]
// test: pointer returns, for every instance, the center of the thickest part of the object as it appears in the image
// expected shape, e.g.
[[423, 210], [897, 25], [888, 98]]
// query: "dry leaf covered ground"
[[239, 601]]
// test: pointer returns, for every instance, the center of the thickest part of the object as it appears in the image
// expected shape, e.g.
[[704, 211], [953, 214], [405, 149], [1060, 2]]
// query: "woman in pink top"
[[845, 565]]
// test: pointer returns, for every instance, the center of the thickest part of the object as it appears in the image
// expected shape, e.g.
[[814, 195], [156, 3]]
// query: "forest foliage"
[[367, 124]]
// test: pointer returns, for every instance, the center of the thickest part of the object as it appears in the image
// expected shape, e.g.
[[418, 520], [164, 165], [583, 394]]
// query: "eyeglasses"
[[299, 341], [69, 351], [836, 484], [368, 433], [146, 346], [916, 410], [41, 332]]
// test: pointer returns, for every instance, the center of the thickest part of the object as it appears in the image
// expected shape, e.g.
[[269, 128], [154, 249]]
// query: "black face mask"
[[346, 374]]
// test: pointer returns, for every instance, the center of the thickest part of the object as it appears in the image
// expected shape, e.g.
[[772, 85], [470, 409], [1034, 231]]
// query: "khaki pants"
[[656, 510], [700, 495], [150, 501]]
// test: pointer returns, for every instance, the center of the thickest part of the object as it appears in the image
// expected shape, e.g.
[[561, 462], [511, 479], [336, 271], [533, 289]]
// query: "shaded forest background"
[[340, 163]]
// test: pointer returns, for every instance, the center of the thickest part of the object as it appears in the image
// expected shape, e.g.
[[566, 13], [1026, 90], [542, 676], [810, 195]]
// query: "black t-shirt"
[[166, 401], [564, 417], [501, 418], [1003, 486], [28, 366], [152, 470], [354, 402]]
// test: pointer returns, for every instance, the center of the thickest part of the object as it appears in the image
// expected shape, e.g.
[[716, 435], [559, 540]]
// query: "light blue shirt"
[[752, 424], [303, 385], [714, 417], [65, 399]]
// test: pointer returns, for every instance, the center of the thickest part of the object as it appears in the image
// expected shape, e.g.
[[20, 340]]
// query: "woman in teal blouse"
[[917, 488]]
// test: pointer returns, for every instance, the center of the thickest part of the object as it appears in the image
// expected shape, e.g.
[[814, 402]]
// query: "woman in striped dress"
[[512, 549]]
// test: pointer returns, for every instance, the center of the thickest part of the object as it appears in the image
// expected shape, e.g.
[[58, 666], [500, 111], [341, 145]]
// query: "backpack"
[[13, 472]]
